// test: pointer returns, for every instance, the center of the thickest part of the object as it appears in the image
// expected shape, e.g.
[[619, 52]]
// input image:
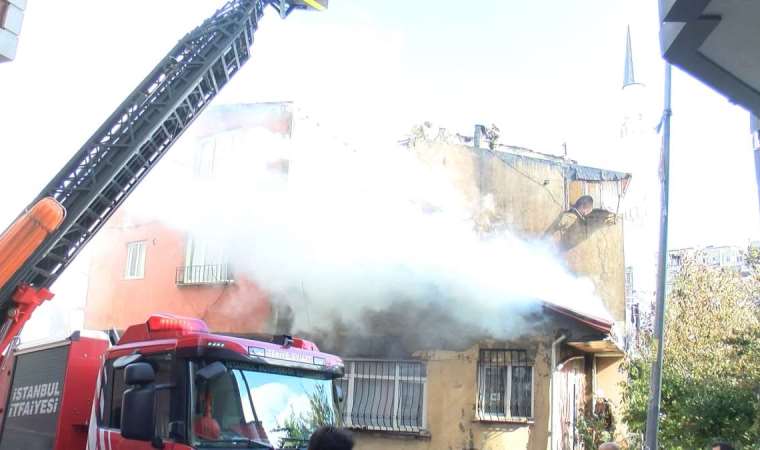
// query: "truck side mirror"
[[138, 374], [138, 421], [211, 371]]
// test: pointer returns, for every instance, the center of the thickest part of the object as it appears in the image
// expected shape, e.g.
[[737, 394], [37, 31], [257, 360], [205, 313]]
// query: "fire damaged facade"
[[489, 394], [469, 390], [405, 387]]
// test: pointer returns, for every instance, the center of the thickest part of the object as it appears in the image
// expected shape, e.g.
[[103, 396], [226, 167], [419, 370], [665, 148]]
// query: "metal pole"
[[755, 126], [757, 166], [655, 390]]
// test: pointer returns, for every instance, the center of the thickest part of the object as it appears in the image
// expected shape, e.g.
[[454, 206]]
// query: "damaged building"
[[465, 388], [472, 391]]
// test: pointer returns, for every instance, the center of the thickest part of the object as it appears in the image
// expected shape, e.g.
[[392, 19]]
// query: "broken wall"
[[530, 196]]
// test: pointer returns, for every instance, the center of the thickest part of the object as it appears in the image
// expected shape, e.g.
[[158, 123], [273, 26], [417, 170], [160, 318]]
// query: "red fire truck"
[[167, 383]]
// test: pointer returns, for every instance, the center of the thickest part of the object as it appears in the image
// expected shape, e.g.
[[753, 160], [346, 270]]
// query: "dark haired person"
[[583, 206], [578, 223], [331, 438]]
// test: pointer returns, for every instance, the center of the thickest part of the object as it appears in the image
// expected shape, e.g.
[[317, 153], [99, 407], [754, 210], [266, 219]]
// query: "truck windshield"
[[245, 408]]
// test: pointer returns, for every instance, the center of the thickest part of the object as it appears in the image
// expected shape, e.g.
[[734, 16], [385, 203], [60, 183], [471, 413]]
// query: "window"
[[273, 406], [204, 158], [384, 395], [117, 393], [135, 260], [114, 396], [629, 282], [205, 263], [3, 12], [505, 385]]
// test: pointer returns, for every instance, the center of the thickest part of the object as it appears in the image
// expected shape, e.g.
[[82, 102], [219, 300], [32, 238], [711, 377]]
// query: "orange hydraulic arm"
[[17, 244]]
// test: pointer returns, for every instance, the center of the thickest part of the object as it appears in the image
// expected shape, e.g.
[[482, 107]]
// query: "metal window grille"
[[205, 274], [135, 260], [629, 282], [505, 385], [386, 395]]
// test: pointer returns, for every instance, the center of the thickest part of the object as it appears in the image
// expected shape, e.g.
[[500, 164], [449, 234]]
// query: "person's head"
[[584, 205], [331, 438], [721, 446], [609, 446]]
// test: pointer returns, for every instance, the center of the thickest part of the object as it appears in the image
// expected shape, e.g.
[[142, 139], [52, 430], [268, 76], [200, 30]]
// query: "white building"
[[716, 257], [11, 19]]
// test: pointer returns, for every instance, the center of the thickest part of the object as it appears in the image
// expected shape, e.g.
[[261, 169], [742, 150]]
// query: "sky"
[[546, 73]]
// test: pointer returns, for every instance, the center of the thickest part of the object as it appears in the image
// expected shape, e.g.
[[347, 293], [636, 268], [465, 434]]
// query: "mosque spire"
[[628, 76]]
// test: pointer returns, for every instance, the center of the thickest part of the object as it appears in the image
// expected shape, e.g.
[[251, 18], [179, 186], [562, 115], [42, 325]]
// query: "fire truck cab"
[[167, 383]]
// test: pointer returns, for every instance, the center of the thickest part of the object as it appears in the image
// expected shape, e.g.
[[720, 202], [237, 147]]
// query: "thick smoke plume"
[[359, 243]]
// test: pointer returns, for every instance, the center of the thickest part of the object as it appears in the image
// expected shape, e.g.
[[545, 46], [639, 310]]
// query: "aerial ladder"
[[78, 201]]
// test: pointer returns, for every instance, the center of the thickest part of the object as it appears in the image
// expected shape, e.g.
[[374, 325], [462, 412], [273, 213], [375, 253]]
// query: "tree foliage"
[[711, 374], [597, 425], [298, 427]]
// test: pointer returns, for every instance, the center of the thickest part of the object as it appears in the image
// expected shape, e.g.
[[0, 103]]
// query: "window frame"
[[4, 7], [212, 260], [480, 413], [350, 378], [142, 245], [105, 412]]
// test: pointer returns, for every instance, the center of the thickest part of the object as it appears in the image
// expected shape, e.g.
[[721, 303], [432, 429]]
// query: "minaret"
[[629, 79], [633, 94], [638, 156]]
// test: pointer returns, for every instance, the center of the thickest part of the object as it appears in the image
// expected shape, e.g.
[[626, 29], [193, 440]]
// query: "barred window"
[[505, 385], [384, 395]]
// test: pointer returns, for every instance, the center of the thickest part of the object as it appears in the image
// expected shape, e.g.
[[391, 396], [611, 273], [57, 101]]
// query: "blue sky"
[[546, 73]]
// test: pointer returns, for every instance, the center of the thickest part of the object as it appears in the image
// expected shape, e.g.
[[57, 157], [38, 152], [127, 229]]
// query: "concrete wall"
[[113, 301], [609, 375], [452, 391], [451, 404], [528, 196]]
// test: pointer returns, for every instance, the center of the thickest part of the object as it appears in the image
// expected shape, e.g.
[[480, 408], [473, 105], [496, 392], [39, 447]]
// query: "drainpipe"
[[478, 135], [553, 393]]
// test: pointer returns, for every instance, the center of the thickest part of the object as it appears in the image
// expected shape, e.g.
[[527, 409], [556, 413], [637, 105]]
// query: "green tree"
[[597, 425], [711, 373], [299, 426]]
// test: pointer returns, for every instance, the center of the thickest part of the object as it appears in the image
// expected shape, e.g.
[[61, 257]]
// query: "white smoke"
[[352, 229]]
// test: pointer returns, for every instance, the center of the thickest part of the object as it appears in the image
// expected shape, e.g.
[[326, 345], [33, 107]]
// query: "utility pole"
[[755, 126], [655, 390]]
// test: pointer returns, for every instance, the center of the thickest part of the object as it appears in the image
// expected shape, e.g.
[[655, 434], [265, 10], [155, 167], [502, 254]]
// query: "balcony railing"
[[202, 275]]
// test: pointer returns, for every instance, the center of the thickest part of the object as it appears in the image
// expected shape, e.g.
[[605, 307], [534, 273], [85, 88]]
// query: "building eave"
[[710, 41], [601, 347], [572, 170], [596, 323]]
